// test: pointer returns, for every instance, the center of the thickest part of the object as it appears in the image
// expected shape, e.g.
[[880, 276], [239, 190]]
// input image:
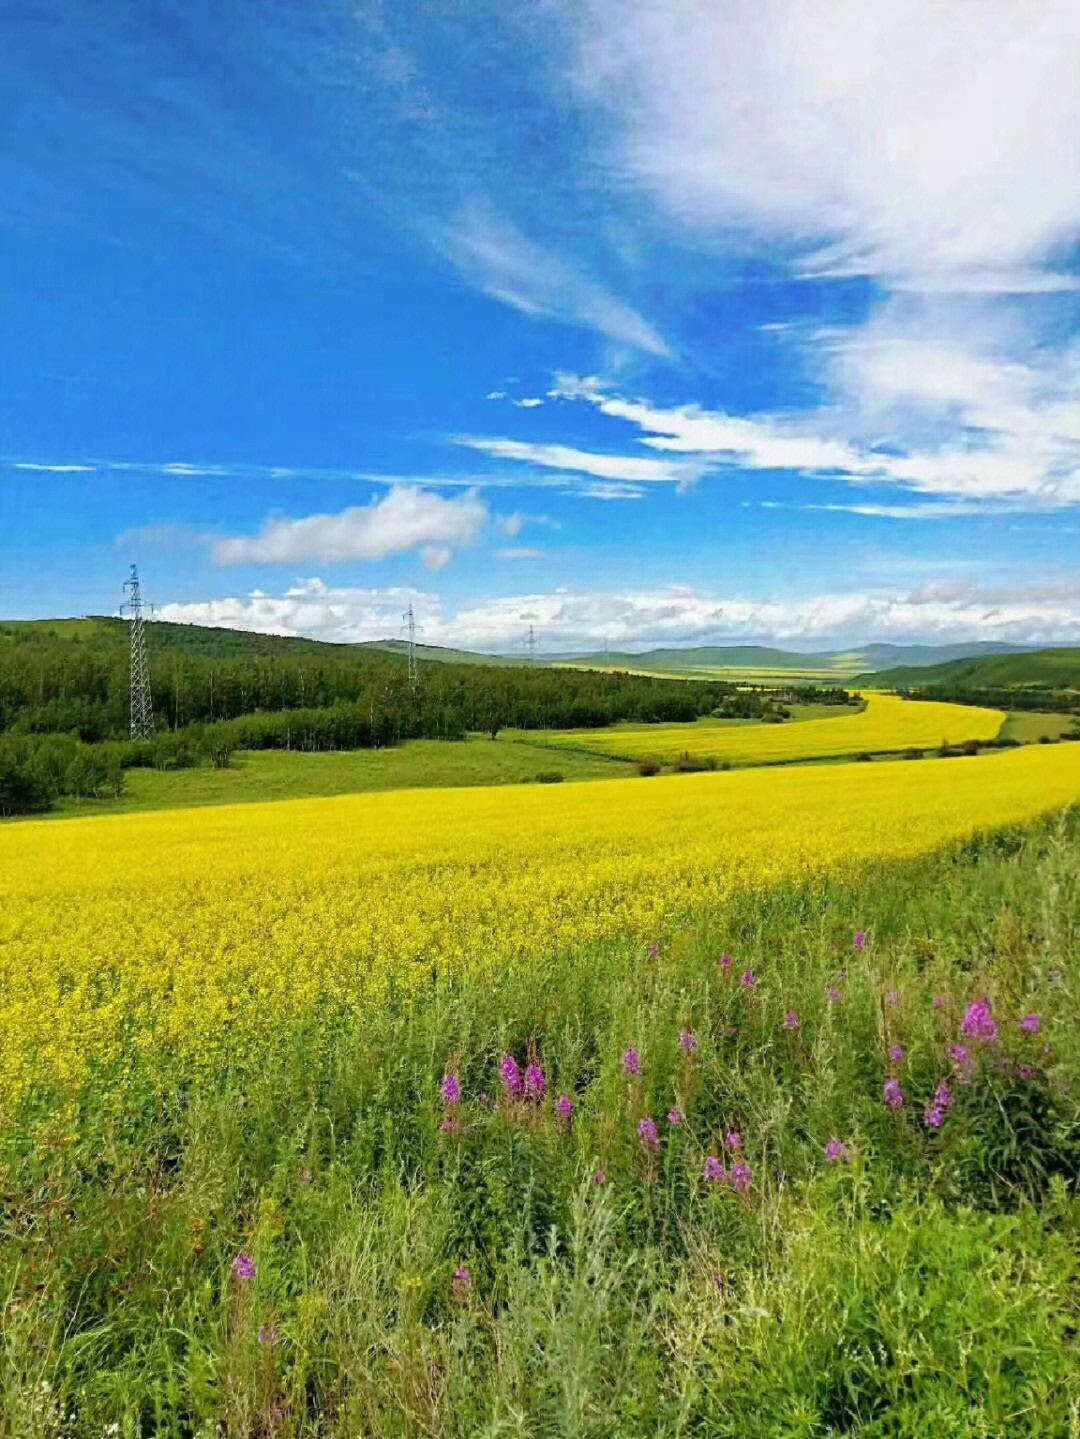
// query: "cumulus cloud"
[[1043, 612], [406, 518]]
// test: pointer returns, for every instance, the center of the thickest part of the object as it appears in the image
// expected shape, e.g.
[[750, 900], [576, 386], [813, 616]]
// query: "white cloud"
[[633, 469], [529, 403], [522, 552], [907, 139], [407, 518], [53, 469], [1041, 612], [502, 262], [495, 395]]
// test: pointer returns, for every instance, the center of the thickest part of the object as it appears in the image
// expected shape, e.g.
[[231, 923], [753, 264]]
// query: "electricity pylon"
[[142, 708]]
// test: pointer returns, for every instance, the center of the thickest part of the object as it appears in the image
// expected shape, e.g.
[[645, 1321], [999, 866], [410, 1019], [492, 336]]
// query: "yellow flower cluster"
[[202, 930], [888, 724]]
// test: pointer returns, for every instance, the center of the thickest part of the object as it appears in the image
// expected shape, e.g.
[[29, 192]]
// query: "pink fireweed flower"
[[675, 1117], [1029, 1023], [687, 1040], [461, 1284], [600, 1177], [932, 1116], [892, 998], [510, 1075], [535, 1084], [896, 1054], [565, 1106], [630, 1062], [740, 1176], [713, 1172], [448, 1125], [942, 1097], [451, 1089], [859, 940], [748, 980], [733, 1139], [893, 1094], [648, 1133], [979, 1023], [725, 961], [1025, 1071], [791, 1020], [832, 994], [958, 1053], [835, 1150], [243, 1266]]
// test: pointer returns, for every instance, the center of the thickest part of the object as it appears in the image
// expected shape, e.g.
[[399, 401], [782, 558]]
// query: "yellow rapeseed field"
[[195, 930], [887, 724]]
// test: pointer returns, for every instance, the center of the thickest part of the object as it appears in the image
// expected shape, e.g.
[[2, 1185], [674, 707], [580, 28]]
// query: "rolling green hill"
[[1049, 668]]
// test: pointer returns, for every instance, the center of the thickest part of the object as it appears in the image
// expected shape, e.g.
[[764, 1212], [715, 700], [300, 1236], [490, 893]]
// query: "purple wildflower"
[[978, 1022], [791, 1020], [648, 1133], [1025, 1071], [958, 1053], [859, 940], [243, 1266], [1029, 1023], [461, 1284], [448, 1124], [713, 1172], [675, 1117], [740, 1176], [535, 1084], [451, 1089], [600, 1177], [748, 980], [832, 994], [892, 998], [942, 1097], [893, 1094], [932, 1116], [834, 1150], [268, 1334], [725, 961], [630, 1062], [565, 1106], [687, 1040], [733, 1139], [510, 1075], [896, 1054]]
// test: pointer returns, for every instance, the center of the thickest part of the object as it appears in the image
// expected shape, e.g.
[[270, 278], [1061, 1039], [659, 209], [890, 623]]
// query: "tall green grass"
[[415, 1279]]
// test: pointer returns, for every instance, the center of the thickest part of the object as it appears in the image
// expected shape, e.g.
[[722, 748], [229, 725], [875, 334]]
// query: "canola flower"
[[888, 724], [126, 939]]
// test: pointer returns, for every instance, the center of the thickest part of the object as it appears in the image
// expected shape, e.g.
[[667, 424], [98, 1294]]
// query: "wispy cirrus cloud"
[[626, 469]]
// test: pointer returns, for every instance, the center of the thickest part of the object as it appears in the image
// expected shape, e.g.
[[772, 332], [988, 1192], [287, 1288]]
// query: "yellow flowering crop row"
[[887, 724], [194, 930]]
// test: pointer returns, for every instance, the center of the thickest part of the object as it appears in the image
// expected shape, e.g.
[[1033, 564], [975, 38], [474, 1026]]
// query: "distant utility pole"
[[410, 617], [532, 645], [142, 709]]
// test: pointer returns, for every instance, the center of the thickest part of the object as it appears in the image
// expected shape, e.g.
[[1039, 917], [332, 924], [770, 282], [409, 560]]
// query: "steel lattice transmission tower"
[[410, 617], [142, 708]]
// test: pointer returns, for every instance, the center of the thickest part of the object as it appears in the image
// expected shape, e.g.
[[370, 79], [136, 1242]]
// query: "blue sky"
[[647, 322]]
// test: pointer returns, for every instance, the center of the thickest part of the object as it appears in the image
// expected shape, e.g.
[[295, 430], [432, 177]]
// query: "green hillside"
[[1048, 669]]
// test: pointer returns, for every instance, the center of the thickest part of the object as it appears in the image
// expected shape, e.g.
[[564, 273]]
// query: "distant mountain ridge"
[[1049, 668]]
